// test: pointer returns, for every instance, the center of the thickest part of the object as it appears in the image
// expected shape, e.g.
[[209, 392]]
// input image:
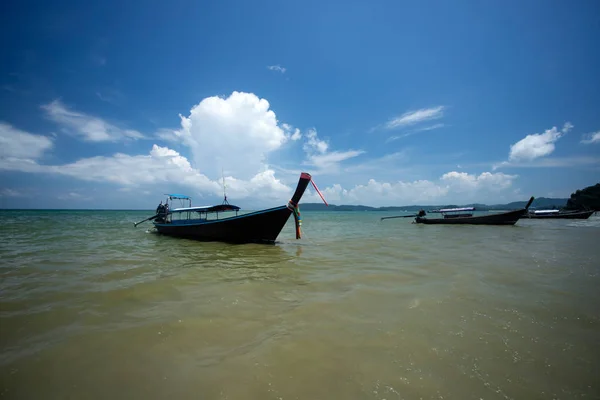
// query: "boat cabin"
[[462, 212], [189, 215]]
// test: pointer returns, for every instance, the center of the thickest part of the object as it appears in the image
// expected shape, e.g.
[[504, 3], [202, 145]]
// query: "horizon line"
[[311, 203]]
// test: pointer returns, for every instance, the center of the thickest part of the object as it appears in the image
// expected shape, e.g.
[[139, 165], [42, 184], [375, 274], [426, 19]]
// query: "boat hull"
[[257, 227], [507, 218], [572, 215]]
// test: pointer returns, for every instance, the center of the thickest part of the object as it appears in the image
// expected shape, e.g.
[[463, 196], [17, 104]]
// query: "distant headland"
[[542, 202], [587, 198]]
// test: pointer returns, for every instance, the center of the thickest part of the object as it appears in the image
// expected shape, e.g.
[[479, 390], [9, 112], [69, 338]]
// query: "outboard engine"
[[161, 211]]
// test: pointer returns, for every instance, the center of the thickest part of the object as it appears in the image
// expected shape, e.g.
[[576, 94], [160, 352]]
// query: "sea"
[[92, 307]]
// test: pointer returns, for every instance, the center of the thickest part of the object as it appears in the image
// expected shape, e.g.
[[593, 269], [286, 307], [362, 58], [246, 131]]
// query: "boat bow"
[[303, 182]]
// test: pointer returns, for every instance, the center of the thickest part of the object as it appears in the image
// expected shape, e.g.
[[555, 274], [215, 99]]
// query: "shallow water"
[[358, 309]]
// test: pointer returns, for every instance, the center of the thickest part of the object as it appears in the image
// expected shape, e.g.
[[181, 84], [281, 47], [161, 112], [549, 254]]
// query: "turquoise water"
[[91, 307]]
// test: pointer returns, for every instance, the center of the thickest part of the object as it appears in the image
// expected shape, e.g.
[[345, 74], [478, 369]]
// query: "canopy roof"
[[178, 196], [457, 209], [220, 207]]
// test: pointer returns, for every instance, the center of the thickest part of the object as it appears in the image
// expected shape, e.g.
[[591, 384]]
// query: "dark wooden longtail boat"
[[204, 224], [556, 214], [465, 218]]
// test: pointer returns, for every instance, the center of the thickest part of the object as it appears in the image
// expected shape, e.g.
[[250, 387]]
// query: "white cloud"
[[277, 68], [238, 133], [461, 181], [319, 156], [429, 128], [313, 143], [537, 145], [87, 127], [396, 193], [264, 186], [160, 166], [16, 144], [293, 133], [452, 187], [168, 135], [235, 134], [591, 138], [415, 117], [332, 159], [164, 167]]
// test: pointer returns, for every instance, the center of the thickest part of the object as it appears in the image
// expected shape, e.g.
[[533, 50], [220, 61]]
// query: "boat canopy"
[[546, 211], [457, 209], [178, 196], [220, 207]]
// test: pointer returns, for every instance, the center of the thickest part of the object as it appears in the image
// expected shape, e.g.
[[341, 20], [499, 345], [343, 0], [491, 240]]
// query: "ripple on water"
[[359, 308]]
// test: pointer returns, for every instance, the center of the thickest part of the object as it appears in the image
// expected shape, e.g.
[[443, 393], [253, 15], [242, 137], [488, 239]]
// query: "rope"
[[318, 191], [297, 219]]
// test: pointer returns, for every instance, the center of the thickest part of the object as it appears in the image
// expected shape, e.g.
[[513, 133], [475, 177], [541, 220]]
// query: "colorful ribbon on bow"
[[298, 221]]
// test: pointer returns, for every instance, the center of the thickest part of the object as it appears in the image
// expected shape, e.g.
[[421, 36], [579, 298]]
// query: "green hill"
[[587, 198], [539, 203]]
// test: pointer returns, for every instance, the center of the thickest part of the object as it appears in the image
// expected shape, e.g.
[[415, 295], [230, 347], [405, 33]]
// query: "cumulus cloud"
[[236, 134], [263, 185], [160, 166], [462, 181], [21, 145], [293, 133], [591, 138], [537, 145], [452, 187], [87, 127], [164, 166], [314, 144]]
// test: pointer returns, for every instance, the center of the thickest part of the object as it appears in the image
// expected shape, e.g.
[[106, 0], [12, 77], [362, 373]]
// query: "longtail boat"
[[557, 214], [464, 216], [205, 224]]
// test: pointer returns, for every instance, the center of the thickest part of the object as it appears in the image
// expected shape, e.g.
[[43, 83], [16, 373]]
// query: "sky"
[[113, 104]]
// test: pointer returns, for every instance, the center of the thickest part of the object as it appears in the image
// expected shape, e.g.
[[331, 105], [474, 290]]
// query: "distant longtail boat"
[[464, 216], [557, 214]]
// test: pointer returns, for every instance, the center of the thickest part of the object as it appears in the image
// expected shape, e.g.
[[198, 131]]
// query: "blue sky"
[[111, 104]]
